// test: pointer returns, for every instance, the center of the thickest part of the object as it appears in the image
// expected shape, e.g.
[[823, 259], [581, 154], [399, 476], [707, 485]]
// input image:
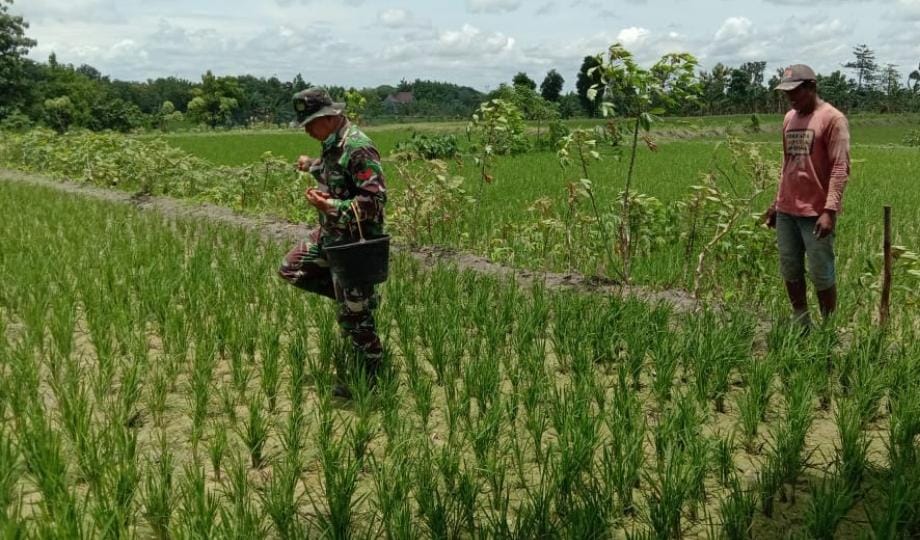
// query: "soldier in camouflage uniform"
[[350, 179]]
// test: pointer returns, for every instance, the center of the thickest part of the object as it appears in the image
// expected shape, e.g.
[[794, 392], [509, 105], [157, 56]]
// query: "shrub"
[[433, 146]]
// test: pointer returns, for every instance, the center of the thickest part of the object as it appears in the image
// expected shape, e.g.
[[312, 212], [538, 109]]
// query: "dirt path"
[[278, 230]]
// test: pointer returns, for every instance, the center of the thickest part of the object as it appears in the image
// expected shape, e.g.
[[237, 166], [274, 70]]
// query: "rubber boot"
[[827, 300], [798, 297]]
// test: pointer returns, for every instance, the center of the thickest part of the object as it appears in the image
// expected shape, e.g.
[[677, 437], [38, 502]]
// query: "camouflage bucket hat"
[[795, 75], [313, 103]]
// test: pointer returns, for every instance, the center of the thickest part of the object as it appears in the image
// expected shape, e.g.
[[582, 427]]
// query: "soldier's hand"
[[304, 163], [769, 217], [319, 200]]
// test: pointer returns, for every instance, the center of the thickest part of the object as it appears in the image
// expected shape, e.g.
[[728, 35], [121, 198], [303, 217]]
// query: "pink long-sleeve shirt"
[[816, 161]]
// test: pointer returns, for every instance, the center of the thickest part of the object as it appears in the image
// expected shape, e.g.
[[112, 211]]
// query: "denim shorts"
[[796, 241]]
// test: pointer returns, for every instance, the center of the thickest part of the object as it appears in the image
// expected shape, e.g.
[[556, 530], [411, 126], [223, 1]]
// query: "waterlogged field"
[[159, 381]]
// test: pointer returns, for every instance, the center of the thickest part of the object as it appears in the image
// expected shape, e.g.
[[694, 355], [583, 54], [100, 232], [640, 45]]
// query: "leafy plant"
[[430, 146], [639, 94]]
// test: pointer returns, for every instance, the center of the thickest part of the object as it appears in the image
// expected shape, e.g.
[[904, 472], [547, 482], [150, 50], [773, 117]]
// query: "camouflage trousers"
[[306, 267]]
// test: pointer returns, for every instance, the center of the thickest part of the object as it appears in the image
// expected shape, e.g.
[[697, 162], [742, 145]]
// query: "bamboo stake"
[[884, 308]]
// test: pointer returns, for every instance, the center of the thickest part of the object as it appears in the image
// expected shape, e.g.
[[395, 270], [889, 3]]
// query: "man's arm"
[[838, 153]]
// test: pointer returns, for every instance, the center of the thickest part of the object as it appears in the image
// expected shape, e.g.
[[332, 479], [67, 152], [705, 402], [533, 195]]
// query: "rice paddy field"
[[159, 381]]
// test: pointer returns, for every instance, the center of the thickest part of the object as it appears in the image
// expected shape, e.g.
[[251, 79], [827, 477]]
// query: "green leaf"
[[645, 120]]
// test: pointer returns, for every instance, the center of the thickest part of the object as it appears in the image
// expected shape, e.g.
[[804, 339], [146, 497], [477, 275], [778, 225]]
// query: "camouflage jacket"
[[350, 171]]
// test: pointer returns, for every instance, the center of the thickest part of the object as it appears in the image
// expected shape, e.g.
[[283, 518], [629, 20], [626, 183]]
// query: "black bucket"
[[361, 263]]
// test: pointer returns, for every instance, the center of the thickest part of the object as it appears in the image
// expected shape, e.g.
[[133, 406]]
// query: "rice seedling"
[[723, 451], [576, 441], [737, 511], [217, 448], [157, 492], [270, 348], [624, 454], [669, 490], [830, 501], [339, 481], [896, 515], [853, 448], [665, 359], [753, 402], [10, 473], [198, 507], [787, 458], [392, 488], [254, 431], [280, 500], [239, 516], [538, 410]]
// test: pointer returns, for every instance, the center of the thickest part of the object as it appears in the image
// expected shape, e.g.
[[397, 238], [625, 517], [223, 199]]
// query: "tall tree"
[[864, 64], [521, 79], [913, 80], [836, 89], [891, 80], [586, 81], [551, 88], [215, 100], [14, 45], [715, 85]]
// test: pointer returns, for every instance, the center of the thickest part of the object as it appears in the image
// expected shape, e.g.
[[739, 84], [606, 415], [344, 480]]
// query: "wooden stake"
[[884, 311]]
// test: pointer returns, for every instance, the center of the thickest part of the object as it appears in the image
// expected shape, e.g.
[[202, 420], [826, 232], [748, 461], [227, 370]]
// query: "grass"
[[164, 383]]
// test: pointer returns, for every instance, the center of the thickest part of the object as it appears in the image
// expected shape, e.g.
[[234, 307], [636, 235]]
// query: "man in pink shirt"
[[816, 166]]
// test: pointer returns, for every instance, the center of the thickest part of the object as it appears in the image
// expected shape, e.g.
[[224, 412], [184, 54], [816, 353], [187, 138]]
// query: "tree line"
[[62, 96]]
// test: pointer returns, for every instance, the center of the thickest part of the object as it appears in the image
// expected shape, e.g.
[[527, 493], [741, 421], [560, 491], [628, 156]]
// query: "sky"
[[478, 43]]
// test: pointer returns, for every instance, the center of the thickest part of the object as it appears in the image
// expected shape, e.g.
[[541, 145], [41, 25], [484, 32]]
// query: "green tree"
[[115, 114], [551, 87], [215, 100], [714, 85], [14, 45], [59, 113], [913, 80], [588, 77], [166, 115], [570, 105], [55, 81], [355, 104], [864, 64], [640, 94], [836, 89], [521, 79]]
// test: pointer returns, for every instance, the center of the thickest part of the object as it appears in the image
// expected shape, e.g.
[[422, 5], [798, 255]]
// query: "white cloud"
[[70, 11], [398, 18], [492, 6], [381, 42], [823, 45], [909, 9], [467, 44], [632, 36], [394, 18], [734, 28]]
